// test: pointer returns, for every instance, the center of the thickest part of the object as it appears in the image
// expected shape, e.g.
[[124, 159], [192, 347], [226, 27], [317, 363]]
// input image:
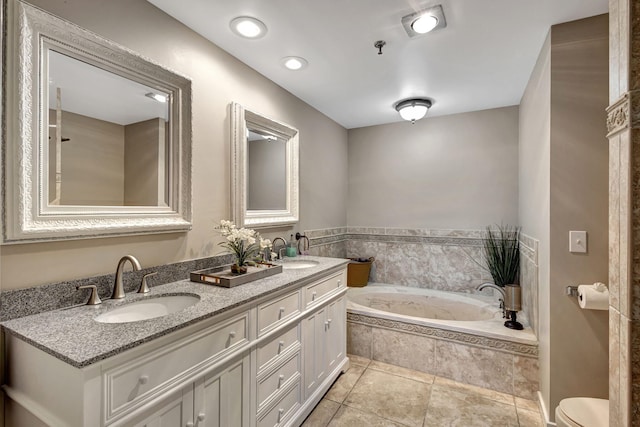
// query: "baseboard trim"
[[544, 411]]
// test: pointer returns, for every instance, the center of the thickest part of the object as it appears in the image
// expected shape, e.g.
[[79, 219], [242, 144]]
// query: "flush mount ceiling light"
[[157, 97], [424, 21], [248, 27], [294, 62], [413, 109]]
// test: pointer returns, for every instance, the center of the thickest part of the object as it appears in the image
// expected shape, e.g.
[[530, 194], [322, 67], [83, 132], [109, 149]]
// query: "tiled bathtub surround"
[[436, 259], [24, 302], [529, 279], [496, 364]]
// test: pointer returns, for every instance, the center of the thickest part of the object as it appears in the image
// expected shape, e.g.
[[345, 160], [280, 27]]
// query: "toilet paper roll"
[[591, 299]]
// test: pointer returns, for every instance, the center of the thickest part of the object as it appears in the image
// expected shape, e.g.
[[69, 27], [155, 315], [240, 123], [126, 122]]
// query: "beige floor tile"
[[401, 372], [351, 417], [482, 392], [450, 406], [529, 418], [345, 382], [391, 397], [358, 360], [322, 414], [527, 405]]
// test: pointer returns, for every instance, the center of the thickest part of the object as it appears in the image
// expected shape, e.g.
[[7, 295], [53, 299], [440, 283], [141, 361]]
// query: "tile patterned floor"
[[375, 394]]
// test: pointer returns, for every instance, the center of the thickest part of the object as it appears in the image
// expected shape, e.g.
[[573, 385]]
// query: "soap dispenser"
[[292, 250]]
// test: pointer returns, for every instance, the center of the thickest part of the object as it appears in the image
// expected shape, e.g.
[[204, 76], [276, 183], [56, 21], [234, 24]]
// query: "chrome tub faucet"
[[499, 289]]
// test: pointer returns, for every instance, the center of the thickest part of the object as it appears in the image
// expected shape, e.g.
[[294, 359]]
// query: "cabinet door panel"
[[222, 399], [211, 404], [175, 411], [314, 350], [335, 333]]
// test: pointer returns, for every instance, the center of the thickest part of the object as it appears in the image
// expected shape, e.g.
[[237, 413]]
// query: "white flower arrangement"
[[243, 243]]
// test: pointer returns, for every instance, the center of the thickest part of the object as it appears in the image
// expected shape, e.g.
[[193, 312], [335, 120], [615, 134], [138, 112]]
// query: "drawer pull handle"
[[281, 309], [329, 321], [201, 416], [280, 412], [143, 379], [281, 378], [313, 295], [339, 283], [232, 334], [326, 324], [189, 424]]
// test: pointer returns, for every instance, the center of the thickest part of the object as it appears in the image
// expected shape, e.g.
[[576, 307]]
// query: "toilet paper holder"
[[572, 291]]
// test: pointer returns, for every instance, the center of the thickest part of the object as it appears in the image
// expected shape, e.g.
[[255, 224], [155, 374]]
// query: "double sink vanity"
[[186, 353]]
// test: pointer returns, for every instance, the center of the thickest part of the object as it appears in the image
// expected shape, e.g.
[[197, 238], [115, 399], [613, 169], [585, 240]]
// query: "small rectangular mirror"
[[264, 170]]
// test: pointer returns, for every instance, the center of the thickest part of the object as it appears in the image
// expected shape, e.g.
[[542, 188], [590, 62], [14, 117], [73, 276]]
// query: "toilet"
[[582, 412]]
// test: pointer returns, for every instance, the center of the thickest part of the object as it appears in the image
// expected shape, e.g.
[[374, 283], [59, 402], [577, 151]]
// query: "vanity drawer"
[[318, 291], [278, 379], [278, 345], [283, 410], [132, 382], [274, 313]]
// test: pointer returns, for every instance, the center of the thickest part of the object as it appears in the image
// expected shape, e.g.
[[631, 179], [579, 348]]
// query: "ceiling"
[[93, 92], [482, 59]]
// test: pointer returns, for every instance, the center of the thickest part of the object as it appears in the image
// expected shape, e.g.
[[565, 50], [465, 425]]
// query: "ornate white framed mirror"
[[98, 138], [264, 170]]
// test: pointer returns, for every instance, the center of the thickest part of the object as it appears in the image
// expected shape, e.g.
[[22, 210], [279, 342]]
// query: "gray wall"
[[534, 180], [564, 186], [144, 163], [449, 172], [267, 177], [217, 80]]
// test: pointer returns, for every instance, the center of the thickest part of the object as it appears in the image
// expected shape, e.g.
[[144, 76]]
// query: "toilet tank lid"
[[586, 411]]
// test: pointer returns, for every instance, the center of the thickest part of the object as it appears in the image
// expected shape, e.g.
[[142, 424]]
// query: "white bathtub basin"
[[148, 309]]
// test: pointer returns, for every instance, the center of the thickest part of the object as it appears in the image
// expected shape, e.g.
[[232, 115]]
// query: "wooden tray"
[[222, 276]]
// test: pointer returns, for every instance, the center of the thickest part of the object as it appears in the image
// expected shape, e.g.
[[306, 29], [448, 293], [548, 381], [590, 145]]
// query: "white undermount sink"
[[148, 308], [298, 264]]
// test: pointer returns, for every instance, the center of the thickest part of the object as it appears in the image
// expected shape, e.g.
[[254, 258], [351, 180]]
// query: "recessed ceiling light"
[[294, 62], [424, 24], [248, 27], [424, 21], [157, 97]]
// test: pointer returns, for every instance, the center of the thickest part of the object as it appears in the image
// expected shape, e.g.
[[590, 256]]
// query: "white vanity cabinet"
[[219, 399], [266, 363]]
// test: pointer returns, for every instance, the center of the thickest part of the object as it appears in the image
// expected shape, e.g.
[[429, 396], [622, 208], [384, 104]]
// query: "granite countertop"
[[73, 336]]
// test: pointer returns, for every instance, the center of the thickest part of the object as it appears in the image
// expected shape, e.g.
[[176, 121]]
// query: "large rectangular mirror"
[[98, 138], [264, 170]]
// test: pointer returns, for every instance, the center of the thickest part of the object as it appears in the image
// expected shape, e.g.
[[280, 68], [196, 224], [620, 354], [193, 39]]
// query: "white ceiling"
[[482, 59], [93, 92]]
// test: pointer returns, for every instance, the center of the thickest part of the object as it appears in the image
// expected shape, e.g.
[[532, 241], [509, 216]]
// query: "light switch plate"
[[578, 242]]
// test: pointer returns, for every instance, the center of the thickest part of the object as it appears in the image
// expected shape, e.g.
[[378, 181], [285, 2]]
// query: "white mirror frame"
[[26, 215], [241, 120]]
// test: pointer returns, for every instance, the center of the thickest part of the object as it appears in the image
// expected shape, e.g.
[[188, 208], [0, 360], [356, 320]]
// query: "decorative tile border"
[[396, 235], [24, 302], [624, 113], [443, 334]]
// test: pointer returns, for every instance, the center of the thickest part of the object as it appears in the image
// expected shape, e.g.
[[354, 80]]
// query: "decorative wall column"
[[623, 125]]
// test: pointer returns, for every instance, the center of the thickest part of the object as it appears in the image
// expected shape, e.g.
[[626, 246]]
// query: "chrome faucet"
[[118, 287], [499, 289], [284, 246]]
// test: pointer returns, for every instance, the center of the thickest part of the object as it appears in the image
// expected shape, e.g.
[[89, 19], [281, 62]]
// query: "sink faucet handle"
[[94, 298], [144, 288]]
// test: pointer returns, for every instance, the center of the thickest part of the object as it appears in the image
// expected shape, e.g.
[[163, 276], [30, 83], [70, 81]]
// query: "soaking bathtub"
[[452, 335]]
